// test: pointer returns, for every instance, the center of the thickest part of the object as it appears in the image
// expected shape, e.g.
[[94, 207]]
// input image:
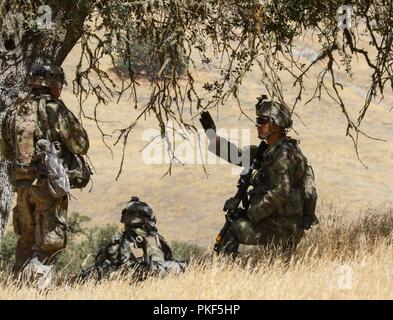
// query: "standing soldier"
[[139, 249], [283, 195], [44, 141]]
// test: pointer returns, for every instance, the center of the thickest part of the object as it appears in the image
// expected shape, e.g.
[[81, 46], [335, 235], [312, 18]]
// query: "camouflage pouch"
[[310, 199], [52, 168], [163, 268], [71, 131], [18, 133], [78, 172], [25, 123], [54, 237], [295, 204]]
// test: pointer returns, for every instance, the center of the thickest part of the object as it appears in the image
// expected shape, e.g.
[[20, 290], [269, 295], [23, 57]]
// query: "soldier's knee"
[[244, 231]]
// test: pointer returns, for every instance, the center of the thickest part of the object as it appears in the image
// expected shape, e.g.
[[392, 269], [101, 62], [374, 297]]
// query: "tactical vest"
[[31, 121], [22, 122], [301, 200], [25, 127], [309, 194], [310, 199], [27, 123]]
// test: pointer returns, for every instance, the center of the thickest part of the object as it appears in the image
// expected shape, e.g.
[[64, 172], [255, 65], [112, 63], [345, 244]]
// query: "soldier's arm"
[[223, 148], [71, 132], [163, 268], [278, 194], [157, 259], [101, 256], [166, 249], [153, 249], [98, 269], [230, 152]]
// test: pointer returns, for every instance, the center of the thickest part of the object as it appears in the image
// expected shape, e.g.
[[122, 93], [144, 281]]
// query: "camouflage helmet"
[[138, 213], [44, 75], [275, 111]]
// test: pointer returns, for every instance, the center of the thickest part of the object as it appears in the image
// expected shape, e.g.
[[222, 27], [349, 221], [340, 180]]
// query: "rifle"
[[232, 205]]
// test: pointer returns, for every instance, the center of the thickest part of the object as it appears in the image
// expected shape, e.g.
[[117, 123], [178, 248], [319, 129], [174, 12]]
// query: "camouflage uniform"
[[280, 185], [275, 215], [39, 218], [140, 249]]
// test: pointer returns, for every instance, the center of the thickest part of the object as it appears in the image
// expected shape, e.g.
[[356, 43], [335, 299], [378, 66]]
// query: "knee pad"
[[243, 230]]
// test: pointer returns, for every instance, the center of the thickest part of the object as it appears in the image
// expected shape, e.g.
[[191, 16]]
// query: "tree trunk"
[[18, 51]]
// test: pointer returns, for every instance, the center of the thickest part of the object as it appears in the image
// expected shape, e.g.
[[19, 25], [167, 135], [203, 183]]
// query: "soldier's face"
[[55, 89], [263, 128], [267, 128]]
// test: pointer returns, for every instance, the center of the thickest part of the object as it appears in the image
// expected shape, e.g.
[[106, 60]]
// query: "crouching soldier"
[[282, 199], [139, 249]]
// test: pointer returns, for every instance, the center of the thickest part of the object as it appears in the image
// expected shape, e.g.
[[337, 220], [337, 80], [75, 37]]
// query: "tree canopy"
[[245, 34]]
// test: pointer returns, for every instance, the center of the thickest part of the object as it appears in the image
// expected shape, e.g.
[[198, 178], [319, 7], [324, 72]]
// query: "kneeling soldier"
[[283, 195]]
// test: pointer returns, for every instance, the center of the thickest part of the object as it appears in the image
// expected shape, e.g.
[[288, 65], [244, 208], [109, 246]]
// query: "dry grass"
[[340, 259]]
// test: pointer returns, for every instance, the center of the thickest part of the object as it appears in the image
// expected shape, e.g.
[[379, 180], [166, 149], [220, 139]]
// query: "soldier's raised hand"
[[207, 121], [208, 125]]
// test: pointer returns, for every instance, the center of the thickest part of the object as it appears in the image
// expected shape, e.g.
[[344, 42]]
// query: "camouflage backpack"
[[18, 137], [310, 199], [52, 166], [76, 142], [32, 119], [309, 193], [78, 171], [22, 120]]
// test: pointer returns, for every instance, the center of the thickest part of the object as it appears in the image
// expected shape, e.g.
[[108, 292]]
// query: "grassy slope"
[[189, 205], [340, 259]]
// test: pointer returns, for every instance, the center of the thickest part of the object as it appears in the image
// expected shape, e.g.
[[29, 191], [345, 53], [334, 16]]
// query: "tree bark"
[[18, 51]]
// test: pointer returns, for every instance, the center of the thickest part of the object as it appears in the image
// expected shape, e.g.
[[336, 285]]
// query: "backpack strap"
[[165, 248], [43, 122]]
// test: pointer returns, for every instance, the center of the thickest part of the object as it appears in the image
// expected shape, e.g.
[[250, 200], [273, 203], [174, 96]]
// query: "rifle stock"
[[232, 205]]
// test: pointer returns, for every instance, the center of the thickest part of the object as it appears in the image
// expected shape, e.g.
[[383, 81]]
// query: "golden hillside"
[[188, 204]]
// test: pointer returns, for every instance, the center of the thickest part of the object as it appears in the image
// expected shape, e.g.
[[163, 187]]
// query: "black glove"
[[239, 213], [207, 121]]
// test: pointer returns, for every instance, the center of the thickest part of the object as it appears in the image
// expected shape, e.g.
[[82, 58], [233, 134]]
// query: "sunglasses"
[[262, 121]]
